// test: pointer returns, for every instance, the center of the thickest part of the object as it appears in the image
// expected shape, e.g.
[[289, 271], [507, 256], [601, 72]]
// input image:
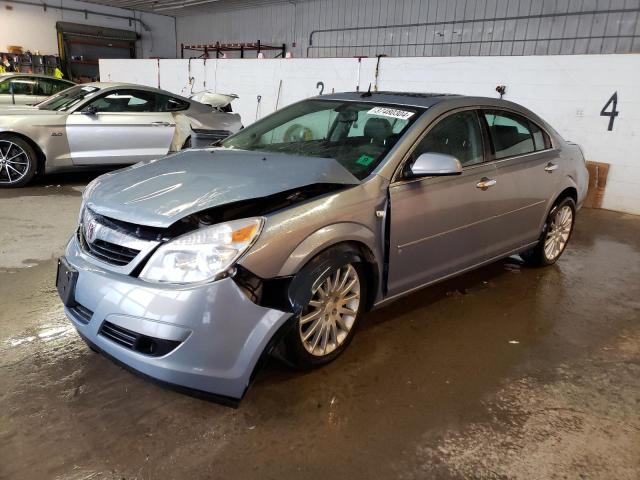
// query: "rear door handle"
[[485, 183], [551, 167], [161, 124]]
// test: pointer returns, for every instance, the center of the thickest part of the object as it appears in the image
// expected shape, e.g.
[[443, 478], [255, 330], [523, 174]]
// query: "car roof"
[[39, 75], [415, 99], [419, 99], [112, 85]]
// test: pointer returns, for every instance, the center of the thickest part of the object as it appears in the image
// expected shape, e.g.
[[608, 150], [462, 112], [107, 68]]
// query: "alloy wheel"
[[331, 313], [558, 233], [14, 162]]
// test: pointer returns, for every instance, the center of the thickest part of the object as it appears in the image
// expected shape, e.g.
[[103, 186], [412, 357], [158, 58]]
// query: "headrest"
[[506, 135], [379, 129]]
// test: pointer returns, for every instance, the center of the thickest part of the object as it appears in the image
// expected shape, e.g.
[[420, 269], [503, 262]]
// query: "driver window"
[[457, 135], [23, 86], [125, 101]]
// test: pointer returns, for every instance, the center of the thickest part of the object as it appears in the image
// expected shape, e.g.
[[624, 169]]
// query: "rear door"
[[125, 126], [528, 172], [441, 225]]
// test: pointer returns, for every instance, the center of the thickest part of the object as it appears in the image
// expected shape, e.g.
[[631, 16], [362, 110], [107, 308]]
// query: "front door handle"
[[485, 183], [551, 167], [161, 124]]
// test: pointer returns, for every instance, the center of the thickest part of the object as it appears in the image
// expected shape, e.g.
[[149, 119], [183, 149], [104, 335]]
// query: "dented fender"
[[324, 238]]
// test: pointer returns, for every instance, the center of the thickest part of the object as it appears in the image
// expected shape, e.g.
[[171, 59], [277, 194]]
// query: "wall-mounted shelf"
[[220, 48]]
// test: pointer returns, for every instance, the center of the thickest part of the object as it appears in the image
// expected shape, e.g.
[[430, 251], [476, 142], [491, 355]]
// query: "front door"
[[440, 225], [120, 127]]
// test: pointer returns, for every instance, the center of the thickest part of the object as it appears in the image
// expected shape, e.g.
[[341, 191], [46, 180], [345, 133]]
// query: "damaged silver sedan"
[[103, 124], [193, 268]]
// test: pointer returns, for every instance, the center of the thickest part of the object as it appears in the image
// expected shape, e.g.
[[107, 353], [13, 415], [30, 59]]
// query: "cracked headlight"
[[204, 254]]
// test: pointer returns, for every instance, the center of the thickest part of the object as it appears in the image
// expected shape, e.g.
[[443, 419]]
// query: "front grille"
[[81, 313], [154, 347], [106, 251]]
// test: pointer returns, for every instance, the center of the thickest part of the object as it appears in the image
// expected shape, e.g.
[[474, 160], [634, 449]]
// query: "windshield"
[[68, 98], [356, 134]]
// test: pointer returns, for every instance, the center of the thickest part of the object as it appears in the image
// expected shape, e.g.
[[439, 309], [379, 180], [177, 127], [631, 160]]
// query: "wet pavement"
[[507, 372]]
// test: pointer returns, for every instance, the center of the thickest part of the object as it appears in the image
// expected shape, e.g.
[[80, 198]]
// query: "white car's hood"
[[27, 110]]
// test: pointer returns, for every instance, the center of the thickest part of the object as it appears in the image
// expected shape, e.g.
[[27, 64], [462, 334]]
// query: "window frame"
[[497, 110], [487, 156]]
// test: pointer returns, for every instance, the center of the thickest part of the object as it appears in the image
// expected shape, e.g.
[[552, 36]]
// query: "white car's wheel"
[[17, 162]]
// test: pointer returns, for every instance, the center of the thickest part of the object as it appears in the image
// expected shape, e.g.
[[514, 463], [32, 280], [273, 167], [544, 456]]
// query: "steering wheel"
[[297, 133]]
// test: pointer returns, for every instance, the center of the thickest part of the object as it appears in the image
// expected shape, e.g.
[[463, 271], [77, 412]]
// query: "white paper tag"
[[391, 112]]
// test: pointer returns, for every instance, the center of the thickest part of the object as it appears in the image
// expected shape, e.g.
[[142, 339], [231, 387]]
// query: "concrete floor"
[[507, 372]]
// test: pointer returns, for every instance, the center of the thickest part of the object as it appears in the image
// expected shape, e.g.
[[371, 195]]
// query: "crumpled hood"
[[159, 192]]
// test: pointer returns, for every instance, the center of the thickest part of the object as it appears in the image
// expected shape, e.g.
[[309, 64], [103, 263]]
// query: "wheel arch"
[[340, 237], [570, 191], [41, 157], [357, 236]]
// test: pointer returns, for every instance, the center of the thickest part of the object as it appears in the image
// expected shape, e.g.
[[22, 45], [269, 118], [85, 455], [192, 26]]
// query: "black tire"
[[316, 273], [186, 144], [11, 145], [536, 256]]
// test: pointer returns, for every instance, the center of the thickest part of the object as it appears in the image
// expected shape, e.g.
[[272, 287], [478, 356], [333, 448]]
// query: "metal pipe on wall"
[[62, 8], [463, 21]]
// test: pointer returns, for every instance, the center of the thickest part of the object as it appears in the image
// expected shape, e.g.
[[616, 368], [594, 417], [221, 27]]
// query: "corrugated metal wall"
[[339, 28]]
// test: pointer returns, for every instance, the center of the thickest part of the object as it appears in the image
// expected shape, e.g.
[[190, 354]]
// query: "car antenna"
[[367, 93]]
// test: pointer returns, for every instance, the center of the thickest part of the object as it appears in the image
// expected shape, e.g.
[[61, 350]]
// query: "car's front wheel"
[[555, 234], [18, 162], [327, 323]]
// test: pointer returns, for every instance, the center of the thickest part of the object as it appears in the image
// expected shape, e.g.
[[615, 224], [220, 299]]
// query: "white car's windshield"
[[68, 98], [356, 134]]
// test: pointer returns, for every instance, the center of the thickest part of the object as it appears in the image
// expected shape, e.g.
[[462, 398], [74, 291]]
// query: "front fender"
[[326, 237]]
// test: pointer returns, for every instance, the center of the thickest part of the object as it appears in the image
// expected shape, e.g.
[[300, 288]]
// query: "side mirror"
[[90, 110], [435, 165]]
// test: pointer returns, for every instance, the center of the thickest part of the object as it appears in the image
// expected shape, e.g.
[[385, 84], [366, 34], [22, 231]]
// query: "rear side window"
[[171, 104], [49, 87], [511, 134], [540, 137]]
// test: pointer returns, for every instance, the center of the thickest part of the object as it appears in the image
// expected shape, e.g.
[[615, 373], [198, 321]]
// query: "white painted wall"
[[568, 91], [35, 29]]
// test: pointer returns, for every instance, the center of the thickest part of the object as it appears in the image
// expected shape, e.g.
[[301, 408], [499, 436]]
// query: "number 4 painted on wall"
[[613, 101]]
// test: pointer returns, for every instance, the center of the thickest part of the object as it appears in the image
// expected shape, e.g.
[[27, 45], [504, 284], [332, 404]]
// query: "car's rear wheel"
[[18, 162], [327, 323], [555, 235]]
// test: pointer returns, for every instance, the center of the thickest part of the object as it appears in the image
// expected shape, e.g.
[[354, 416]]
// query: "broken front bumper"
[[206, 337]]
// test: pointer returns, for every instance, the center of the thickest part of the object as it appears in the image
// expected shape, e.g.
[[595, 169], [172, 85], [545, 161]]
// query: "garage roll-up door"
[[81, 46]]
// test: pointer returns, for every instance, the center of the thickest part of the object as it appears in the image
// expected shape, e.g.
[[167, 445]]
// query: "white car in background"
[[101, 124], [29, 89]]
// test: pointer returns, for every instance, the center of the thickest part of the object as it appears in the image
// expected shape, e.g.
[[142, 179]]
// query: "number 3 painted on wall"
[[613, 101]]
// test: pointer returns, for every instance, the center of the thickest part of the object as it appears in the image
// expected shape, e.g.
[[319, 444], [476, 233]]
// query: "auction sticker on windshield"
[[391, 112]]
